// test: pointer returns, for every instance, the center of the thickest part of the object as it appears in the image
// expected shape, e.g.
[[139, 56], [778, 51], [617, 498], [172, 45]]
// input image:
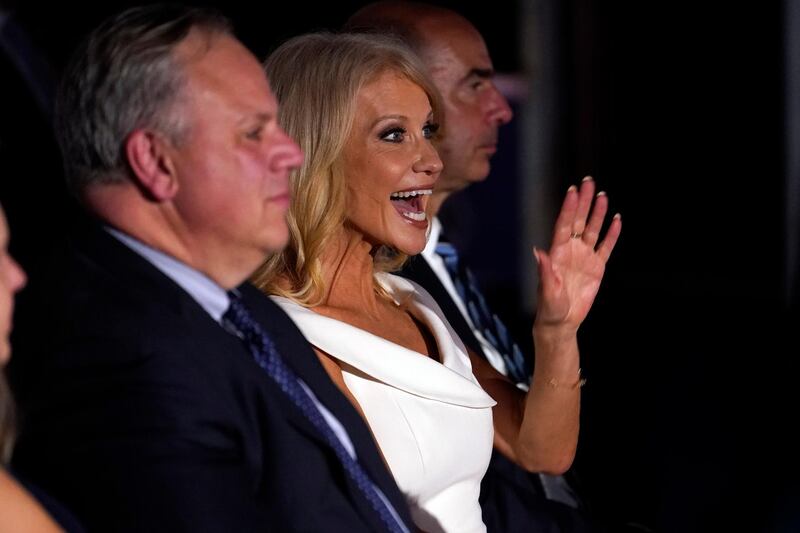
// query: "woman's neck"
[[350, 296], [348, 272]]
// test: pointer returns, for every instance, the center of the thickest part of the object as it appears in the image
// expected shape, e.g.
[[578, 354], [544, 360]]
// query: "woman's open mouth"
[[411, 204]]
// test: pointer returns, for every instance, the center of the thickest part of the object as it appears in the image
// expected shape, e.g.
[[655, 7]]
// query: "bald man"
[[459, 64]]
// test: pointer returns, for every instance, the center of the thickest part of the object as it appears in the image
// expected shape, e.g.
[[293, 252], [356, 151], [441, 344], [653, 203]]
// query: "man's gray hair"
[[125, 76]]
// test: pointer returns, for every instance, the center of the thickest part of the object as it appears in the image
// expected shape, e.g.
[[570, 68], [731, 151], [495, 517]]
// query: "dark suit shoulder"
[[84, 301]]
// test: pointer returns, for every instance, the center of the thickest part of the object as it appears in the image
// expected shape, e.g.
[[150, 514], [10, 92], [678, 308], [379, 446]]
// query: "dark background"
[[678, 109]]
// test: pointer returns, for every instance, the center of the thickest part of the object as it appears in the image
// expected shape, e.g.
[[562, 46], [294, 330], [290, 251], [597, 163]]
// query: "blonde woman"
[[366, 116]]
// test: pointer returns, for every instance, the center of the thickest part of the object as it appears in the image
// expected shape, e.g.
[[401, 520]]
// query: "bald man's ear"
[[150, 164]]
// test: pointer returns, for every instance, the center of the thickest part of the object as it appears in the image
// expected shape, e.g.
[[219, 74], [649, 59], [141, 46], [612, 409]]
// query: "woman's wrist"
[[557, 355], [554, 334]]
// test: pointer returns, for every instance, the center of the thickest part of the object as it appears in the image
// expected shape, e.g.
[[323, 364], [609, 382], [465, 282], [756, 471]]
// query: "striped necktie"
[[487, 323]]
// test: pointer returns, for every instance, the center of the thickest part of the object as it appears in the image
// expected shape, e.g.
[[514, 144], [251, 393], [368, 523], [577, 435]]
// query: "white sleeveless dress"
[[432, 421]]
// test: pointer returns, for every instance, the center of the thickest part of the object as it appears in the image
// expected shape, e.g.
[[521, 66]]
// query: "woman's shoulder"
[[329, 334], [390, 363]]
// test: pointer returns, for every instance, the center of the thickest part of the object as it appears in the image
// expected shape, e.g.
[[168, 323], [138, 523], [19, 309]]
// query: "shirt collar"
[[433, 239]]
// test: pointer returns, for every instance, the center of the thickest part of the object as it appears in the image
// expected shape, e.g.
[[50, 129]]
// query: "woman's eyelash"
[[397, 134], [432, 128], [391, 134]]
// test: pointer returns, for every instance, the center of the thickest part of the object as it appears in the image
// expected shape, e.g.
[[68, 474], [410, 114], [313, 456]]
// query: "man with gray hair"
[[459, 65], [160, 391]]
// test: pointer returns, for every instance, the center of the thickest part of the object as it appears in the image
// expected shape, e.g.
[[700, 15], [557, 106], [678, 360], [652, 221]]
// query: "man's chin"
[[277, 244], [479, 173], [476, 174], [480, 168]]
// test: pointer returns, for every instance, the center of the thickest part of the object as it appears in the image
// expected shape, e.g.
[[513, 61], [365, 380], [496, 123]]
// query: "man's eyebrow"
[[257, 118], [483, 73]]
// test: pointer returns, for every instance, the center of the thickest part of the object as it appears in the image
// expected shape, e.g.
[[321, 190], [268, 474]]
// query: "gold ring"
[[575, 235]]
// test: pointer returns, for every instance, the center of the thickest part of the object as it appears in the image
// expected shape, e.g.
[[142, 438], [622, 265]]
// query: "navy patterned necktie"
[[271, 361], [488, 323]]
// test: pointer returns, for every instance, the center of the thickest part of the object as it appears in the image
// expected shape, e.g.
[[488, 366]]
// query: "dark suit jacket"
[[142, 414], [512, 499]]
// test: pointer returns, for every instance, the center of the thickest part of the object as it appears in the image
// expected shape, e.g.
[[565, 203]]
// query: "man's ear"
[[150, 164]]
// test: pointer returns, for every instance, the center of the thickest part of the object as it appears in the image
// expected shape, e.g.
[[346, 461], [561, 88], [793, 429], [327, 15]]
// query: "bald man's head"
[[459, 64], [408, 20]]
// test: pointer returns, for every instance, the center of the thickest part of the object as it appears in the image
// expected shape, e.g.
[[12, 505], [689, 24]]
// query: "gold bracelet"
[[553, 382]]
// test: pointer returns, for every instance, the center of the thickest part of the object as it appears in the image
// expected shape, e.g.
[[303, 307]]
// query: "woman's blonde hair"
[[316, 78]]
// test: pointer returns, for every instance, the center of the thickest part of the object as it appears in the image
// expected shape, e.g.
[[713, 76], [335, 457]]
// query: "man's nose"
[[16, 276], [286, 153], [498, 111]]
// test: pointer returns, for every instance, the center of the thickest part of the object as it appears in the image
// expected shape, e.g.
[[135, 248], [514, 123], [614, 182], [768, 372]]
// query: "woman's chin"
[[411, 246], [406, 238]]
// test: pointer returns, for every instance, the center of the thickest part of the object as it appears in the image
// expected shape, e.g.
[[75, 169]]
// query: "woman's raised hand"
[[571, 271]]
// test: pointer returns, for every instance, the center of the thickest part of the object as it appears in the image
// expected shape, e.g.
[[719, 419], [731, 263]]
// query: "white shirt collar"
[[433, 239]]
